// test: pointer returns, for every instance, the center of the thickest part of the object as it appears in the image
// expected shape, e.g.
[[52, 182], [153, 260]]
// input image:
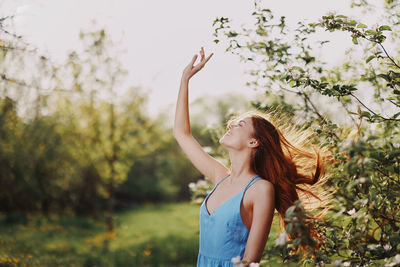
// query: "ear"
[[253, 143]]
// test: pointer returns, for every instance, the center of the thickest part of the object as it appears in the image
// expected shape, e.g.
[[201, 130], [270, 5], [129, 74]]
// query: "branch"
[[387, 119], [348, 113], [316, 111], [389, 56], [388, 176], [391, 101]]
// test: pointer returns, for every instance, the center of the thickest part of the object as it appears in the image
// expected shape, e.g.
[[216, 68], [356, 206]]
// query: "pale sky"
[[160, 37]]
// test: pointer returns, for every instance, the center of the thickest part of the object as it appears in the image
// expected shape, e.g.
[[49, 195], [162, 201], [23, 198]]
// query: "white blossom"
[[347, 263], [295, 74], [236, 259], [337, 263], [387, 247], [282, 239], [352, 211], [396, 260], [254, 264], [320, 264], [207, 149], [362, 180], [192, 186], [201, 183]]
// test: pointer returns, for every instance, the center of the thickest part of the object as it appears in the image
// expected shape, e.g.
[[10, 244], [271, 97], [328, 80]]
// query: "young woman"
[[236, 216]]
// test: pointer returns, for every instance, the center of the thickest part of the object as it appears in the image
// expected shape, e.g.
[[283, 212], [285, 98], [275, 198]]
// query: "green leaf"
[[384, 76], [292, 83], [370, 32], [289, 228], [369, 59], [323, 85], [395, 115], [361, 25], [289, 211], [232, 34], [352, 23], [385, 28], [298, 68], [355, 40], [366, 114]]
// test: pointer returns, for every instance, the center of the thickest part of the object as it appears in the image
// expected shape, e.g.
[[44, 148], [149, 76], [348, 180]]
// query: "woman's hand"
[[190, 70]]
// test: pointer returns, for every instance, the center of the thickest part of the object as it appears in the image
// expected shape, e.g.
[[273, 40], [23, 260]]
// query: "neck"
[[240, 165]]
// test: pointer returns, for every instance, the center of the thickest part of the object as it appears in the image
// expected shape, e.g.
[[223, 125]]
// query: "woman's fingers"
[[202, 53], [208, 57], [193, 59], [193, 69]]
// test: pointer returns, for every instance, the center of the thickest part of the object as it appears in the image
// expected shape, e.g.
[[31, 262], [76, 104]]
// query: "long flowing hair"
[[296, 168]]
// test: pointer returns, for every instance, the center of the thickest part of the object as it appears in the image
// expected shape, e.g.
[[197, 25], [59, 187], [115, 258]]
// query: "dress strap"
[[251, 182], [221, 180], [215, 186]]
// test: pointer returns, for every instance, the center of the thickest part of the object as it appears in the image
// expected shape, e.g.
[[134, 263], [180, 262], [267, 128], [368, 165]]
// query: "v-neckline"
[[212, 191], [205, 203]]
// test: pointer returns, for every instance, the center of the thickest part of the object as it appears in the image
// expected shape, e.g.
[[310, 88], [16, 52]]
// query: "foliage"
[[362, 228]]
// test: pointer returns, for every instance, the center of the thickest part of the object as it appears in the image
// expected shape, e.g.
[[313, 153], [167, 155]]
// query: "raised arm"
[[206, 164]]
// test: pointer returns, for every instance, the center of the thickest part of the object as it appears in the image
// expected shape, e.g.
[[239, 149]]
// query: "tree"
[[363, 226]]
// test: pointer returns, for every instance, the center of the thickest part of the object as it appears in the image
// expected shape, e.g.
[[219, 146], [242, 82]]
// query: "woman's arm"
[[263, 215], [207, 165]]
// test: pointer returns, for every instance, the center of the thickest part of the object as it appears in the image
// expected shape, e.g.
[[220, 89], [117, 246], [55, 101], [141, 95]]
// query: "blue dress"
[[223, 234]]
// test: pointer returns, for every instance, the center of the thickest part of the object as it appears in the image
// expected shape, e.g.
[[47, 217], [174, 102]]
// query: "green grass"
[[151, 235]]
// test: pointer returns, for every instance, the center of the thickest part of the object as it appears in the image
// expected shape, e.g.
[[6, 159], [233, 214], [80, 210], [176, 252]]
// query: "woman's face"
[[239, 134]]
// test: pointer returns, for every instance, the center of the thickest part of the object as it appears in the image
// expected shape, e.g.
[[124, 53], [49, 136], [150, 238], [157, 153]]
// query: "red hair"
[[288, 167]]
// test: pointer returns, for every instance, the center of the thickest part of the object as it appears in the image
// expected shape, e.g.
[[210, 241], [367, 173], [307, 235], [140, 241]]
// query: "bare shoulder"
[[262, 190]]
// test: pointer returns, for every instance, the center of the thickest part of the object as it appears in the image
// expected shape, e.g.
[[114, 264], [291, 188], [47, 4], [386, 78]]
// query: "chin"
[[223, 143]]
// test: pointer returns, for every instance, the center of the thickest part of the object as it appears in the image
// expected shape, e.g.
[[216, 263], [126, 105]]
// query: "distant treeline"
[[46, 165]]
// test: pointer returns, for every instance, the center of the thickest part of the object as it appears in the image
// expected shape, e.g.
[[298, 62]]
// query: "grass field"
[[151, 235]]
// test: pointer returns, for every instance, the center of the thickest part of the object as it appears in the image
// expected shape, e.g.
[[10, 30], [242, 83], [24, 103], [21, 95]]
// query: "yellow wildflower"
[[147, 252]]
